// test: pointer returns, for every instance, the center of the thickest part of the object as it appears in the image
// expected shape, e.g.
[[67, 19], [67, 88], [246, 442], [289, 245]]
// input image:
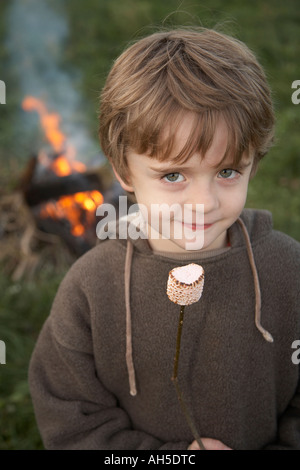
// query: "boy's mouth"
[[195, 227]]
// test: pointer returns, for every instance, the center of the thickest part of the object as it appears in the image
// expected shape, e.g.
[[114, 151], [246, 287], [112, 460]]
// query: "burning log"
[[66, 205], [55, 188], [50, 186]]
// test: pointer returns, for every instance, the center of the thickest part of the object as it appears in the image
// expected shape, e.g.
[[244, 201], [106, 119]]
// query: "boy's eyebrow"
[[243, 164], [171, 167]]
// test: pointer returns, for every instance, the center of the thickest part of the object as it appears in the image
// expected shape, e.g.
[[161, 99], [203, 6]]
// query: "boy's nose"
[[204, 194]]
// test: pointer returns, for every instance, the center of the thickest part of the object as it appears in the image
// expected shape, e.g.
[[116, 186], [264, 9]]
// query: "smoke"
[[37, 33]]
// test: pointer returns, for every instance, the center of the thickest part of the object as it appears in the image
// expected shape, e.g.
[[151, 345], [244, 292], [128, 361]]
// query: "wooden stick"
[[184, 408]]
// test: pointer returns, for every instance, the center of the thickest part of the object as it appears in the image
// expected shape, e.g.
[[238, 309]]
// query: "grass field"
[[84, 42]]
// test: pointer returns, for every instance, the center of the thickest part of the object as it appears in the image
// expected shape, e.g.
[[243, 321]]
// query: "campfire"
[[77, 209], [55, 202]]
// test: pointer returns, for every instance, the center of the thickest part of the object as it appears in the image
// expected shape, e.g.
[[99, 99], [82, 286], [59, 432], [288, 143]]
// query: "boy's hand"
[[209, 444]]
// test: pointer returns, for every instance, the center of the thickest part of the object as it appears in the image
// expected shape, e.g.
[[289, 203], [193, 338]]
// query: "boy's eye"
[[173, 178], [227, 173]]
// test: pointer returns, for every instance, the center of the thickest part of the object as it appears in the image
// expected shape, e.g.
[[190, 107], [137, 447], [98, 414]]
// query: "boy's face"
[[221, 189]]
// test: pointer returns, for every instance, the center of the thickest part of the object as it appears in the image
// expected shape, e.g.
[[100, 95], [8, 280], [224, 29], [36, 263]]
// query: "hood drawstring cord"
[[129, 358], [268, 337]]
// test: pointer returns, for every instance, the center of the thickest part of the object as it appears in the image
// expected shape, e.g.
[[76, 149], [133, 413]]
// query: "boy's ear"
[[124, 184], [253, 169]]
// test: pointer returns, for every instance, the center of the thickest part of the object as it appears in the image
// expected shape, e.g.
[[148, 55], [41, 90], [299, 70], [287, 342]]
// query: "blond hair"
[[167, 74]]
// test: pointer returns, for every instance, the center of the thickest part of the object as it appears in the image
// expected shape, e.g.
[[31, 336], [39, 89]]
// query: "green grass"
[[23, 309], [99, 31]]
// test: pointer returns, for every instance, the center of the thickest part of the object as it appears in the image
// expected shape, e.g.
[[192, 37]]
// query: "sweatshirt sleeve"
[[72, 407], [288, 435]]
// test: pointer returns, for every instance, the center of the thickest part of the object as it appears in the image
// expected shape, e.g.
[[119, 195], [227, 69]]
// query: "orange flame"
[[63, 167], [66, 207], [49, 121], [71, 207]]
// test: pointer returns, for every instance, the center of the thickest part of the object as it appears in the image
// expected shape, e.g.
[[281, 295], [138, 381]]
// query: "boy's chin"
[[185, 245]]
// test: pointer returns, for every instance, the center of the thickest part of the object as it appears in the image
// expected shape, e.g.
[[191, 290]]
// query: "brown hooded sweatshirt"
[[100, 374]]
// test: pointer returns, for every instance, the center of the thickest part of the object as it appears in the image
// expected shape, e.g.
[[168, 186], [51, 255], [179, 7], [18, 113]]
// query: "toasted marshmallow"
[[185, 284]]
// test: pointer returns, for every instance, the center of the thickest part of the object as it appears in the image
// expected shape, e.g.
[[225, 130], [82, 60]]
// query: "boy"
[[185, 118]]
